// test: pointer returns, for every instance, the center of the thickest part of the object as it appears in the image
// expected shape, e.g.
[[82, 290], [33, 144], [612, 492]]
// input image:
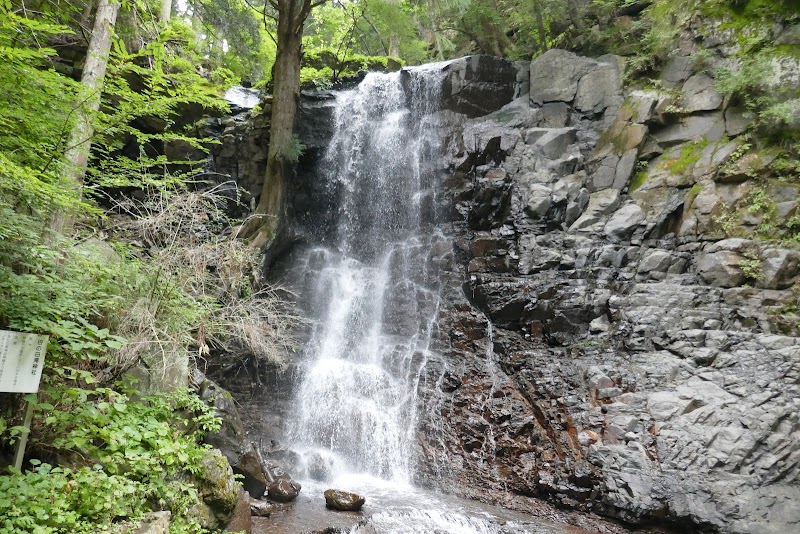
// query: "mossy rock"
[[217, 489]]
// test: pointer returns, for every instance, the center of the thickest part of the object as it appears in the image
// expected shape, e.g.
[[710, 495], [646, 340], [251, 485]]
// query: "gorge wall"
[[601, 342], [631, 366]]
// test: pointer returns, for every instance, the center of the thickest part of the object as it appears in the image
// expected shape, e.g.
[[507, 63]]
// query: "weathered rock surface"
[[241, 520], [699, 94], [343, 500], [478, 85], [218, 491], [598, 344], [230, 438], [283, 490], [154, 523], [588, 351], [261, 508]]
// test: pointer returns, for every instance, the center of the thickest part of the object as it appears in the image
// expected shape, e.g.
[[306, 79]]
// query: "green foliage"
[[322, 67], [128, 458], [688, 156], [638, 181], [758, 210], [61, 500], [37, 106], [230, 34], [751, 267], [378, 28], [294, 150]]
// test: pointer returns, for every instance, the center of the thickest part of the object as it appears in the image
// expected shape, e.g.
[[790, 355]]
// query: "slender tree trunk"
[[94, 73], [537, 10], [166, 11], [86, 16], [576, 14], [394, 46], [270, 213]]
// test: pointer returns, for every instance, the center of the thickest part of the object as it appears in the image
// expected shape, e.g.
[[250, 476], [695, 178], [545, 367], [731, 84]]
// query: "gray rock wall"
[[600, 343], [600, 347]]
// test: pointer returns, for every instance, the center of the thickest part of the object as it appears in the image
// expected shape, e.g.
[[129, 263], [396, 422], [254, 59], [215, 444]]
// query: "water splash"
[[375, 292]]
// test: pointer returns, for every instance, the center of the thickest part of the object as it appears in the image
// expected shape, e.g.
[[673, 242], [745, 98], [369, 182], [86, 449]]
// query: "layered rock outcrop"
[[600, 345], [600, 342]]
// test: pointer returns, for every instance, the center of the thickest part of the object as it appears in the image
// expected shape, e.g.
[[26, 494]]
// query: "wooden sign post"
[[21, 363]]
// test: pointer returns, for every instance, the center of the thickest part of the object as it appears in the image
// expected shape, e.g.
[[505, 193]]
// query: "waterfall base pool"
[[396, 509]]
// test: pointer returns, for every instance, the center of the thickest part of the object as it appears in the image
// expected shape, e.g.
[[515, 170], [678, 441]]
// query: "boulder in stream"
[[260, 508], [343, 500], [283, 490]]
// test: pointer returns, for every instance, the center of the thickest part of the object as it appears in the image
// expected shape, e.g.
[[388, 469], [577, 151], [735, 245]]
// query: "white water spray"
[[375, 294]]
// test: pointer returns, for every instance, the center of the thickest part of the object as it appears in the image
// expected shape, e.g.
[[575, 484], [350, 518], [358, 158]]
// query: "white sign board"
[[21, 361]]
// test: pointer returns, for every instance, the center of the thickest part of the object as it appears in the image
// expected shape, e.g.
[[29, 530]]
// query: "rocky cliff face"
[[601, 343]]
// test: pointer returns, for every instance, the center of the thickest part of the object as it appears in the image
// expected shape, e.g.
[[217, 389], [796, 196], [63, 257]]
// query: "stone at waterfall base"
[[343, 500], [283, 490], [260, 508]]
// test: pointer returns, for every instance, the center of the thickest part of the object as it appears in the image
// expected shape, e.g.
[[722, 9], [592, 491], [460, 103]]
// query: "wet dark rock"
[[249, 466], [478, 85], [343, 500], [283, 490], [261, 508], [241, 522], [229, 439]]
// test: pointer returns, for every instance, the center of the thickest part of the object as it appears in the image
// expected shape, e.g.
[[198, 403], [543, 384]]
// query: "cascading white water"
[[374, 291], [374, 294]]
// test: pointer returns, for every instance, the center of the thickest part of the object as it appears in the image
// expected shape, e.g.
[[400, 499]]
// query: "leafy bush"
[[61, 500], [123, 458]]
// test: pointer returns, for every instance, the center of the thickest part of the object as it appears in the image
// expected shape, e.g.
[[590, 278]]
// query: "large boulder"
[[478, 85], [624, 222], [780, 268], [721, 269], [283, 490], [591, 86], [600, 204], [343, 500], [218, 490], [551, 142], [699, 94], [249, 466], [692, 128], [555, 76]]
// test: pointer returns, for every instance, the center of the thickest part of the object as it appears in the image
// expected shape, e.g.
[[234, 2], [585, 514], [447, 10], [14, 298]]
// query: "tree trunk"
[[576, 14], [86, 17], [394, 46], [94, 72], [166, 11], [542, 31], [263, 225]]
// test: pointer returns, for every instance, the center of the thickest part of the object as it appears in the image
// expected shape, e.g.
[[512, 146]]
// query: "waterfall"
[[372, 286], [373, 290]]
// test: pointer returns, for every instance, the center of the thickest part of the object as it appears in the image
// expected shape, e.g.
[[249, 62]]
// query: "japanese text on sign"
[[21, 361]]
